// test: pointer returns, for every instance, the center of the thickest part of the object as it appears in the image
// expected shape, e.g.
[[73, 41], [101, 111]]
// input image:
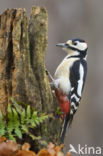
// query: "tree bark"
[[23, 46]]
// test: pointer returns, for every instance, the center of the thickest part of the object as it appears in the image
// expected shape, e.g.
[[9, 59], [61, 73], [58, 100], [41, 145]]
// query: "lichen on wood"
[[23, 45]]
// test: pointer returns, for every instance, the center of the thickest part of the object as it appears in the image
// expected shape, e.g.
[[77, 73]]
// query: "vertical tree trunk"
[[23, 46]]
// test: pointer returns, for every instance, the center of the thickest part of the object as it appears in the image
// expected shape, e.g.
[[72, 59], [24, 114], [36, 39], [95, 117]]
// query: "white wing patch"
[[80, 81]]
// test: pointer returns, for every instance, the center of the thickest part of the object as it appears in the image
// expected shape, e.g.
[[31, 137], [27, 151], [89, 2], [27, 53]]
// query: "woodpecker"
[[69, 79]]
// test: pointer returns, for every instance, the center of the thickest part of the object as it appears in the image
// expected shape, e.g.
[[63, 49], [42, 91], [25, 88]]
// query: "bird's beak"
[[63, 45]]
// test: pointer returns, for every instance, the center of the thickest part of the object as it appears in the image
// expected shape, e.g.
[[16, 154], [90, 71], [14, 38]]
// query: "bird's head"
[[77, 46]]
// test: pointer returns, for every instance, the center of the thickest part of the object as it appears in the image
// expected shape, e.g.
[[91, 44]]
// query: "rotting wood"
[[23, 46]]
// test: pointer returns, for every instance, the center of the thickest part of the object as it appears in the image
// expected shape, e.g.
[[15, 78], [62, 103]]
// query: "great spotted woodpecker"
[[69, 79]]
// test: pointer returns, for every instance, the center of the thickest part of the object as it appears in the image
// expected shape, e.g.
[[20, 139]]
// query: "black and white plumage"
[[77, 78], [70, 76]]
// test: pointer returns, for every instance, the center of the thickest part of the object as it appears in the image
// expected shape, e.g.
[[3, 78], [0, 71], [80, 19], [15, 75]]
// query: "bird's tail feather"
[[67, 121]]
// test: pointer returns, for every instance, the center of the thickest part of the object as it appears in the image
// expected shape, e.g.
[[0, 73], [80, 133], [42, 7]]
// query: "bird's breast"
[[63, 84], [62, 75]]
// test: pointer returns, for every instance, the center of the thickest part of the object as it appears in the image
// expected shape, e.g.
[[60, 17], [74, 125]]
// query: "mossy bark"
[[23, 46]]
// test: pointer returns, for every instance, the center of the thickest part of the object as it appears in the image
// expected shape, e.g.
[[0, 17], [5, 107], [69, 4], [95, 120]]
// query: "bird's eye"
[[74, 43], [66, 44]]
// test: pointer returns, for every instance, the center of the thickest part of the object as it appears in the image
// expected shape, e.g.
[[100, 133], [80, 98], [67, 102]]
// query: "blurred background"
[[76, 19]]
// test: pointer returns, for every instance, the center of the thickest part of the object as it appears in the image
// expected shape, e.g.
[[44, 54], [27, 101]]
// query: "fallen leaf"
[[8, 148], [26, 146], [44, 152], [2, 139], [51, 148], [58, 148], [68, 154], [25, 153], [60, 154]]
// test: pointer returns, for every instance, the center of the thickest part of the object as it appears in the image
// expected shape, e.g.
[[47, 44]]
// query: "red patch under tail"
[[63, 101]]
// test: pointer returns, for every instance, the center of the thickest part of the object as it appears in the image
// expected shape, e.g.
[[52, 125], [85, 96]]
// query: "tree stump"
[[23, 46]]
